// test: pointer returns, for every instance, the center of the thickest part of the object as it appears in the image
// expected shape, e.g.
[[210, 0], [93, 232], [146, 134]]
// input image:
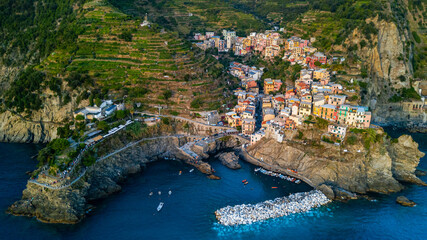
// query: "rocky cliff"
[[338, 172], [40, 126], [101, 179]]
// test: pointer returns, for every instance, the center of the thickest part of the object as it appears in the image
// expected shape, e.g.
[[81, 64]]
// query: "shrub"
[[325, 139], [166, 121], [103, 125], [167, 94], [126, 35], [300, 134], [174, 113], [120, 114], [352, 140], [196, 103], [80, 118], [321, 123], [59, 144], [416, 37], [395, 98], [89, 159]]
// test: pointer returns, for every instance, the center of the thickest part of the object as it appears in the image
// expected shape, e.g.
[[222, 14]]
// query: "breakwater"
[[279, 207]]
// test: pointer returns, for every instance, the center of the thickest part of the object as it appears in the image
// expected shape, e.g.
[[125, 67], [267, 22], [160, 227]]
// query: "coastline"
[[69, 205]]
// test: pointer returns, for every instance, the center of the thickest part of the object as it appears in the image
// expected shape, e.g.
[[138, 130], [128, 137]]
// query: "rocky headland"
[[342, 172], [70, 205]]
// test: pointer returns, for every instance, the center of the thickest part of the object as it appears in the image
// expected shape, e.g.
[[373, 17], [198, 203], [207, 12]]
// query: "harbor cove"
[[188, 213], [213, 119]]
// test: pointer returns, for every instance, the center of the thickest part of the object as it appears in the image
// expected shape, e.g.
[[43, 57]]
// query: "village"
[[278, 107], [266, 106]]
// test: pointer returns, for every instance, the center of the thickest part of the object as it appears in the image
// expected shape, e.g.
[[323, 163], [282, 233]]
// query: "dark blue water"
[[188, 212]]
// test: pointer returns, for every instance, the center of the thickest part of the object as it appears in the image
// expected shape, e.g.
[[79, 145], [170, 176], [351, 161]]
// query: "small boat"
[[298, 181], [191, 170], [160, 193], [170, 192], [150, 194], [273, 187], [160, 206], [244, 180], [180, 172]]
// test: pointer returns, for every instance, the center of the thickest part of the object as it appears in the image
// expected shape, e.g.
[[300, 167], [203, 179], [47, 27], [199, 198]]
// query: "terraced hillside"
[[193, 16], [148, 65]]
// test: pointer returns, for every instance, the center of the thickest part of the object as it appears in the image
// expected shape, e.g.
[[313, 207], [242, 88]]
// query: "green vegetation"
[[197, 103], [369, 136], [29, 32], [136, 128], [24, 93], [166, 121], [103, 125], [326, 139], [352, 139], [126, 35], [205, 15], [405, 94], [321, 123], [48, 154], [89, 158], [416, 37], [300, 135]]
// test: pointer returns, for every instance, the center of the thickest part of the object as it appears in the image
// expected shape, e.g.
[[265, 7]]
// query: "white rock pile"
[[279, 207]]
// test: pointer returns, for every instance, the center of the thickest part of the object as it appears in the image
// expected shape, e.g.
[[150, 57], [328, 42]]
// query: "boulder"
[[229, 159], [213, 177], [404, 201], [420, 173]]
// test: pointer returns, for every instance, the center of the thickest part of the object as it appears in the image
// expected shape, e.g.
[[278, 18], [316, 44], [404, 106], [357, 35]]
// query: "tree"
[[80, 118], [120, 114], [165, 121], [352, 140], [317, 63], [89, 159], [98, 102], [126, 35], [167, 94], [59, 144], [102, 125]]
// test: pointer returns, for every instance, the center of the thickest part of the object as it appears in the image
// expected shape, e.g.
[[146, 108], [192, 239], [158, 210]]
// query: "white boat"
[[170, 192], [150, 194], [160, 193], [191, 170], [160, 206]]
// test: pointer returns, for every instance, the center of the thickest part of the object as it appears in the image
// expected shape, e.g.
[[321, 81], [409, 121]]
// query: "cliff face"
[[333, 170], [101, 179], [41, 126]]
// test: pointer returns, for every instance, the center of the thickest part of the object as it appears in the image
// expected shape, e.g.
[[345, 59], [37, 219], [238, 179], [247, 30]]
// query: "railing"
[[100, 159]]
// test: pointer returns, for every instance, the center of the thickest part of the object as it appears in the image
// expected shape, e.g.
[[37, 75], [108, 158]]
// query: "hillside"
[[57, 56], [112, 57], [148, 65], [193, 16]]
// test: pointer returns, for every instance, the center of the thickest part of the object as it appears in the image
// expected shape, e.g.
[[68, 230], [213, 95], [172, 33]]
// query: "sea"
[[188, 213]]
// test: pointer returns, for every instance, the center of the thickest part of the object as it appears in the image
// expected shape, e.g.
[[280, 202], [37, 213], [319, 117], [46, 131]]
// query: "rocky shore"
[[102, 179], [342, 173], [229, 159]]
